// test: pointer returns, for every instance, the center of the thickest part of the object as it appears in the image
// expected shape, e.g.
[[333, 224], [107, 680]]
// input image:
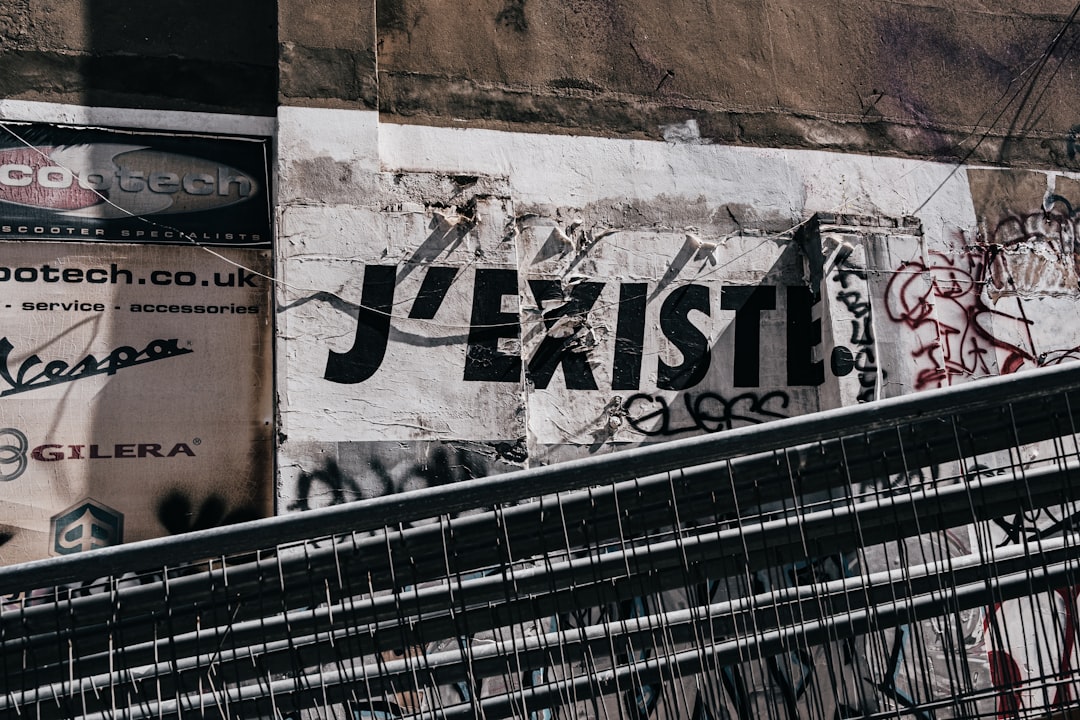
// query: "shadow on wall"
[[218, 57]]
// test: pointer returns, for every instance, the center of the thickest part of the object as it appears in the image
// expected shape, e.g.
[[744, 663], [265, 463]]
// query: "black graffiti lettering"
[[389, 474], [342, 487], [862, 333], [845, 272], [748, 302], [691, 342], [629, 337], [372, 330], [708, 412], [854, 303], [641, 423], [437, 282], [177, 514], [560, 350], [803, 334], [866, 364], [489, 325]]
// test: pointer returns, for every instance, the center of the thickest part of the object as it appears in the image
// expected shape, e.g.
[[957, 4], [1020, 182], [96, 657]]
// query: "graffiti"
[[960, 334], [368, 470], [1014, 663], [342, 488], [177, 515], [1053, 228], [709, 412], [863, 359], [1017, 665], [444, 466], [796, 680]]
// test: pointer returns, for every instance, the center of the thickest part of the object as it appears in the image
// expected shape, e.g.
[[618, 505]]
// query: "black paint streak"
[[176, 514], [808, 237], [333, 478], [1074, 132], [513, 16], [516, 452]]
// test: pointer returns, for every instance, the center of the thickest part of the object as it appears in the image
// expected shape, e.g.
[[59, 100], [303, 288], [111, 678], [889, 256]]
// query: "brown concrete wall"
[[328, 53], [909, 78], [943, 80], [197, 55]]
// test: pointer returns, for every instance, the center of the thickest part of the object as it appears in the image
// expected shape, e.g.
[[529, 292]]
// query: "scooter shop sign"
[[135, 366], [90, 185]]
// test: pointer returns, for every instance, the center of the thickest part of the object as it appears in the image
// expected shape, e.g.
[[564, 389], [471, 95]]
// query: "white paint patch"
[[173, 120]]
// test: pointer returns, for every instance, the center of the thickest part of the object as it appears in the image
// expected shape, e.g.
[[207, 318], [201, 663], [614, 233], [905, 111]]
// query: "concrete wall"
[[511, 232], [534, 297], [212, 56], [926, 79]]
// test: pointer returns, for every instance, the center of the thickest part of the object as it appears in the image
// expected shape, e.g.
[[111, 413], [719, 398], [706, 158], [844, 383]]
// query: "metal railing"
[[914, 557]]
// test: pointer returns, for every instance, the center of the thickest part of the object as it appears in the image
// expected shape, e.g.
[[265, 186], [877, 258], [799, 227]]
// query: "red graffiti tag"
[[959, 334]]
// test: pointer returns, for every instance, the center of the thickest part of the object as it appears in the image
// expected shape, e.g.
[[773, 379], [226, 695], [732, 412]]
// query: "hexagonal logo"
[[86, 526]]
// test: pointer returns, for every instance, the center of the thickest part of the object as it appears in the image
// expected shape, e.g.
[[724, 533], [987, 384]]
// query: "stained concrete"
[[948, 81]]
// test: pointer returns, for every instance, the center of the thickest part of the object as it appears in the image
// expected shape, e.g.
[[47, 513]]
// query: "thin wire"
[[522, 322], [1029, 85]]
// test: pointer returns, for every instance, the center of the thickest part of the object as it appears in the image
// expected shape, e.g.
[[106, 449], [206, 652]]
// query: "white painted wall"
[[354, 192]]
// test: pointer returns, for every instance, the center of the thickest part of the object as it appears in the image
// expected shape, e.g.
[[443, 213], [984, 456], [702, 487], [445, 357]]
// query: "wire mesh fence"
[[911, 558]]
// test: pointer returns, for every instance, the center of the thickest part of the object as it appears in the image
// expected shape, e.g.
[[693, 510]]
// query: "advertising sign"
[[86, 184], [135, 364]]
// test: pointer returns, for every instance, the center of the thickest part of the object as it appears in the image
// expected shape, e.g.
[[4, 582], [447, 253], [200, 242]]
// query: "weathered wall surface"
[[931, 79], [218, 57], [511, 232], [940, 80], [327, 54], [537, 297]]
